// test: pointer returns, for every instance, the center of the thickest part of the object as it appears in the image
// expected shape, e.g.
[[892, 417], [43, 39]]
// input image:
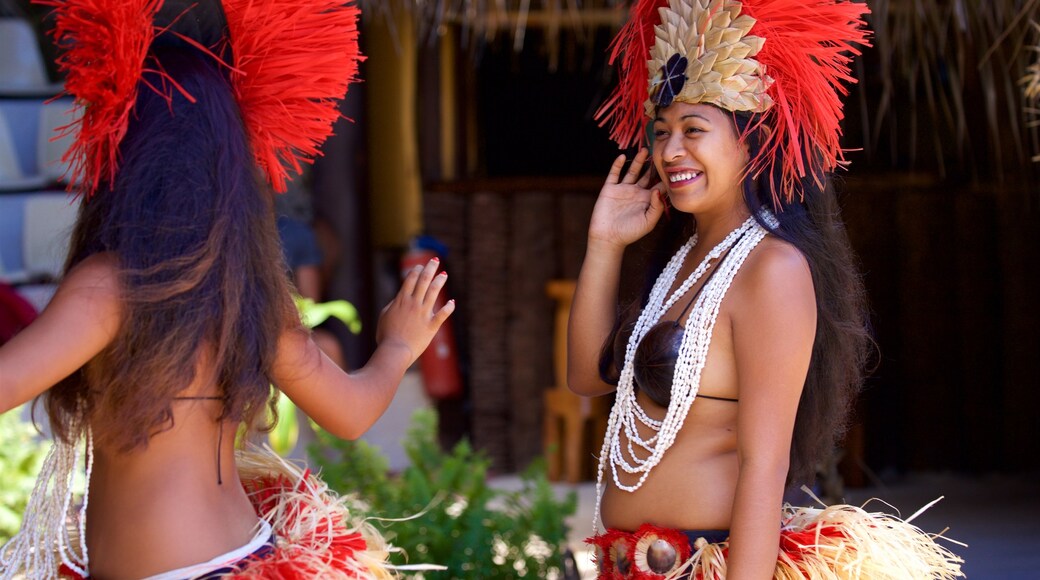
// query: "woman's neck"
[[712, 227]]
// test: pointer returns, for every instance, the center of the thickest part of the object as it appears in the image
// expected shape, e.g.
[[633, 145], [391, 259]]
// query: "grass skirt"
[[315, 535], [840, 542]]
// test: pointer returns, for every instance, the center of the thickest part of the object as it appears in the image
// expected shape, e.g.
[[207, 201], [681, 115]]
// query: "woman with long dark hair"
[[175, 315], [734, 370]]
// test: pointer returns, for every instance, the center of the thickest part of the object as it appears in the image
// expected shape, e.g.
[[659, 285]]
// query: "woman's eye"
[[691, 130], [658, 133]]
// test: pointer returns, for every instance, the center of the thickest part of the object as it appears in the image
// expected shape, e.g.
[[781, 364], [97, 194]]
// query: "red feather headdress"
[[797, 51], [292, 63]]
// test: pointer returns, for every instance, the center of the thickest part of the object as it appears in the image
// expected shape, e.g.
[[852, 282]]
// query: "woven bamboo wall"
[[505, 245]]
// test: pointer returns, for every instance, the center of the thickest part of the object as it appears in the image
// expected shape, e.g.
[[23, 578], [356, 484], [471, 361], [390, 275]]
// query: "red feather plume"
[[293, 62], [623, 110], [808, 49], [106, 43]]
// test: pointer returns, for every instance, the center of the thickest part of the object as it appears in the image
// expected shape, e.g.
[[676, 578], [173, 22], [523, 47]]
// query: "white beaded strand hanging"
[[627, 414], [43, 542]]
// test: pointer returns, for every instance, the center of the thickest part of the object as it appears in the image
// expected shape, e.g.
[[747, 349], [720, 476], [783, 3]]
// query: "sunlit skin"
[[162, 508], [727, 467]]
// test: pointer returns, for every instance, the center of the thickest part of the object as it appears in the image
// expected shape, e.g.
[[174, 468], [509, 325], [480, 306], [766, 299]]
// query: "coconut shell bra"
[[654, 363]]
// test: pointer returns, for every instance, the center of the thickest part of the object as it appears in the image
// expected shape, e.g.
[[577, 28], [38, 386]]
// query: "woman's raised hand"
[[626, 209], [410, 320]]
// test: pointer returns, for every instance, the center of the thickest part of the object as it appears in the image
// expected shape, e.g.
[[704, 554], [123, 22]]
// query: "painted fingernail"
[[435, 259], [443, 273]]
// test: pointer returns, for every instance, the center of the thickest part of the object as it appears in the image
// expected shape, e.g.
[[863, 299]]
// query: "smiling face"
[[699, 156]]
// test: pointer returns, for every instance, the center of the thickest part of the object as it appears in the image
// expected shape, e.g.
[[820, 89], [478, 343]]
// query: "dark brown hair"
[[199, 261], [842, 343]]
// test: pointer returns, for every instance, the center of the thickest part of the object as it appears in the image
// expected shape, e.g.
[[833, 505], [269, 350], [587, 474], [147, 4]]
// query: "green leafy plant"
[[457, 520], [21, 455]]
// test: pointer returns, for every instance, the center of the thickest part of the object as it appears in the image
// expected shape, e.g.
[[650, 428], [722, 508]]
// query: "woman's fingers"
[[435, 288], [644, 181], [636, 167], [426, 275], [445, 311], [615, 170], [656, 208], [410, 281]]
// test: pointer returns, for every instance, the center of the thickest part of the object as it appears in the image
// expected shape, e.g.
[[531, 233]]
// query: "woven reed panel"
[[533, 259], [575, 212], [446, 216], [488, 295], [504, 245]]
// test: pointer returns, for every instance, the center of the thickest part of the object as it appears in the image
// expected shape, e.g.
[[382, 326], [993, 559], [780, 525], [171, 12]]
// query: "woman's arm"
[[78, 323], [347, 404], [774, 324], [625, 211]]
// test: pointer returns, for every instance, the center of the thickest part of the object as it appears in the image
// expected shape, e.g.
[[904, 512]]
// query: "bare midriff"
[[693, 486], [161, 508]]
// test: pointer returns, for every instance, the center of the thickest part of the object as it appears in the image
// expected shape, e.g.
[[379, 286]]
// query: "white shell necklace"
[[627, 414]]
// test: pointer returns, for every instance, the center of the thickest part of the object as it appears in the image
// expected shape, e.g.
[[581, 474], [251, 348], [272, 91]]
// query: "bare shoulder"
[[96, 276], [775, 275], [94, 282], [99, 270]]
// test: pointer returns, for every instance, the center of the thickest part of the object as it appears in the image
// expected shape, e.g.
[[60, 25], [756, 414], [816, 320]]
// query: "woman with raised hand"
[[734, 370]]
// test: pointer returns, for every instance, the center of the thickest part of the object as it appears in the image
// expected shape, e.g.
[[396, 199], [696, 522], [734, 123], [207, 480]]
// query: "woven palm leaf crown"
[[786, 60]]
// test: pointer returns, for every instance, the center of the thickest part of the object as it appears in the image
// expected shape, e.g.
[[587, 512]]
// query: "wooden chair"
[[574, 425]]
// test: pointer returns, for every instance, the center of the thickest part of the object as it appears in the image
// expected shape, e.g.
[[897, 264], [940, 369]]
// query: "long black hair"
[[192, 227]]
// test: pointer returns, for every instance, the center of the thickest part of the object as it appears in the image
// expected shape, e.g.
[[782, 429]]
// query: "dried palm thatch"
[[942, 87], [1031, 89], [946, 81], [485, 20]]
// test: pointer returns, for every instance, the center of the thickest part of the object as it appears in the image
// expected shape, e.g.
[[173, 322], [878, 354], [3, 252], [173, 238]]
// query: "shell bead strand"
[[44, 541], [627, 414]]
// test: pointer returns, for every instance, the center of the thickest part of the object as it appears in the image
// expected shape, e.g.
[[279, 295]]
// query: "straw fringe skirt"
[[840, 542], [315, 535]]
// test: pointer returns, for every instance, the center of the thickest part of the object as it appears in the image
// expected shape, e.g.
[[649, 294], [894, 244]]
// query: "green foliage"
[[286, 431], [21, 454], [460, 522], [314, 313]]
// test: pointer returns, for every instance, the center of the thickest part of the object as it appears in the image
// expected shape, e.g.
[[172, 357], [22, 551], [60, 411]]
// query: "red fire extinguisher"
[[439, 363]]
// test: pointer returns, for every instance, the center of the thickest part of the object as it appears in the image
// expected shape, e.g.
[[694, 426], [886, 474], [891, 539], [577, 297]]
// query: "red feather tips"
[[808, 49], [623, 110], [106, 43], [310, 544], [293, 61], [809, 45], [613, 554]]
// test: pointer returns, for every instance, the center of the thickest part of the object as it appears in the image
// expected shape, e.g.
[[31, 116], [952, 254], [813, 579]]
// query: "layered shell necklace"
[[627, 414]]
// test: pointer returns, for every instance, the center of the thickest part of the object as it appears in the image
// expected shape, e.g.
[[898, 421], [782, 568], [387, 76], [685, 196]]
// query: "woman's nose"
[[673, 149]]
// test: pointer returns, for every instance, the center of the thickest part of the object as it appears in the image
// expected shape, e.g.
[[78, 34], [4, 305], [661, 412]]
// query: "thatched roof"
[[937, 68]]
